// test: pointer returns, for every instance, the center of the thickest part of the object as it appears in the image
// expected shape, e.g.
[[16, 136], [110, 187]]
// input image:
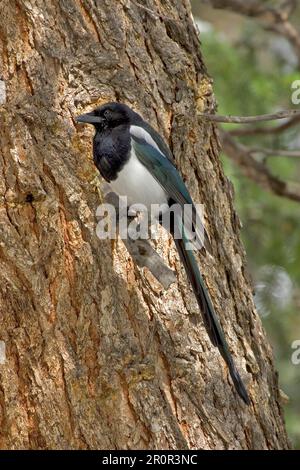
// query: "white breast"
[[137, 183]]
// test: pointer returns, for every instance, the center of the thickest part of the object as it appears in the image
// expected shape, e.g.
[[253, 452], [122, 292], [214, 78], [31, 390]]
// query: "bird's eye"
[[107, 113]]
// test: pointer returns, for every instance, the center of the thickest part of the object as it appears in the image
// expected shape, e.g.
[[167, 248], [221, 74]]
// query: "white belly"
[[135, 182]]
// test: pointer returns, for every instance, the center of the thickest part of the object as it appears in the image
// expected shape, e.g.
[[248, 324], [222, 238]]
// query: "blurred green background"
[[253, 70]]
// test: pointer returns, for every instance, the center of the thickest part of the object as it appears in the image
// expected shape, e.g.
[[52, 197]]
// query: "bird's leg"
[[141, 251]]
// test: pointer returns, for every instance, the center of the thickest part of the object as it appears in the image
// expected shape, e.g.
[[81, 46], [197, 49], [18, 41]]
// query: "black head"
[[109, 115]]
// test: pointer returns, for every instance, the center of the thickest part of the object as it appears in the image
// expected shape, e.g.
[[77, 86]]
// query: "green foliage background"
[[251, 77]]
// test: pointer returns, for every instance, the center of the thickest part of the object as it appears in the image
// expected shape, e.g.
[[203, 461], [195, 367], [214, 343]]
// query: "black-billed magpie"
[[138, 164]]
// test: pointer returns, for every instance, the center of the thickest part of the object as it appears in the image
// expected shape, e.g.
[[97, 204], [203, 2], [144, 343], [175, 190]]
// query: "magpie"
[[138, 164]]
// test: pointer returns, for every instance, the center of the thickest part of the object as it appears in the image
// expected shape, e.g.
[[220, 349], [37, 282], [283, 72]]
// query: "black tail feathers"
[[209, 316]]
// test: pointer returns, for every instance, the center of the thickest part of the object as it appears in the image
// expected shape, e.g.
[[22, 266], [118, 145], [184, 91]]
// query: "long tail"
[[211, 321]]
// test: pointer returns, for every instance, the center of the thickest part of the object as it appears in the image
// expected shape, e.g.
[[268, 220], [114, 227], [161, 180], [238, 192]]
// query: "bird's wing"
[[166, 174], [170, 180], [151, 136]]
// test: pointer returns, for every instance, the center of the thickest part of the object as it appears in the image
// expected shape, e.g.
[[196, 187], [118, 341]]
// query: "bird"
[[137, 163]]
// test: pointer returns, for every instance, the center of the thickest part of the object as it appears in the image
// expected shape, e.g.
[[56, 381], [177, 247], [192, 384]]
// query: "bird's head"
[[108, 115]]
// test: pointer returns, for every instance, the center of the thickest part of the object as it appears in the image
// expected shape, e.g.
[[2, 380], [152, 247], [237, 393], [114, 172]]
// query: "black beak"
[[89, 118]]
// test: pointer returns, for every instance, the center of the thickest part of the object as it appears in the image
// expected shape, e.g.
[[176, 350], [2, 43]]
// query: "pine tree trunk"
[[98, 353]]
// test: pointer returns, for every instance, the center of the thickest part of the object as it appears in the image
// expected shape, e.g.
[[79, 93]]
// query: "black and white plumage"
[[138, 164], [115, 156]]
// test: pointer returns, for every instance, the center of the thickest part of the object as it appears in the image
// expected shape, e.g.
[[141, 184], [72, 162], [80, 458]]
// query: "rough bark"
[[98, 353]]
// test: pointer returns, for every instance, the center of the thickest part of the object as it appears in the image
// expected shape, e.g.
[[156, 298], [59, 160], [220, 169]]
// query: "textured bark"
[[98, 353]]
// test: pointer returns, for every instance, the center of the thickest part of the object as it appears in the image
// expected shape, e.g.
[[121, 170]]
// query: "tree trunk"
[[98, 353]]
